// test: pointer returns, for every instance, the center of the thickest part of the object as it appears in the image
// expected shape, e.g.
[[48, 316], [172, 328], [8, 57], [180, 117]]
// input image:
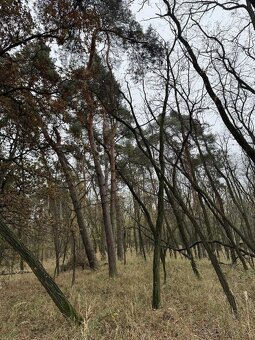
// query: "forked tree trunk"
[[45, 279]]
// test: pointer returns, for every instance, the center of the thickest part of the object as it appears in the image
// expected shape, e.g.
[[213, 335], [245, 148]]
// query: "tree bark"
[[75, 200], [229, 295], [115, 211], [104, 200], [48, 283]]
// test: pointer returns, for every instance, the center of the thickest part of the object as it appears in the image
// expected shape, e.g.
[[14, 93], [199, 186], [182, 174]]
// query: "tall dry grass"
[[120, 308]]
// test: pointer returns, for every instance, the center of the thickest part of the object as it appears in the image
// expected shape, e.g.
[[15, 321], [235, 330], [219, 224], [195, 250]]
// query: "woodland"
[[127, 146]]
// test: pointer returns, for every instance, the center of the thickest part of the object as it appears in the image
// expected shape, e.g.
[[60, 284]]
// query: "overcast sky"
[[147, 15]]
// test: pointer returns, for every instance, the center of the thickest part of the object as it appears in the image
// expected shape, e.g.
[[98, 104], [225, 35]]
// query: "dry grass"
[[120, 308]]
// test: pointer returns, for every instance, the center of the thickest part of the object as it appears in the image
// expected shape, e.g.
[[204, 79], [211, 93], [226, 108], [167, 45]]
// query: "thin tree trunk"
[[156, 298], [74, 256], [21, 262], [213, 259], [180, 220], [120, 245], [57, 254], [225, 225]]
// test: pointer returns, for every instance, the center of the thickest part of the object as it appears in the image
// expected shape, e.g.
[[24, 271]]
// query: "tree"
[[47, 282], [235, 87]]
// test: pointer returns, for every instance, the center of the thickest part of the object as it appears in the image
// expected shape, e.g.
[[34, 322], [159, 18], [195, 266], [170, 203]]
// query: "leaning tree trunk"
[[180, 224], [90, 252], [56, 146], [140, 236], [48, 283], [229, 295]]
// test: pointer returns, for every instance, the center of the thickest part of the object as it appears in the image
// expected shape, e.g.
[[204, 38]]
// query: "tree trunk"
[[57, 254], [88, 245], [104, 200], [74, 197], [156, 274], [229, 295], [48, 283], [74, 256], [115, 211], [180, 223]]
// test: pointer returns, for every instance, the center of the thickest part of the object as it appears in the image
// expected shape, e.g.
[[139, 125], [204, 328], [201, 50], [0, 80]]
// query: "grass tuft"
[[120, 308]]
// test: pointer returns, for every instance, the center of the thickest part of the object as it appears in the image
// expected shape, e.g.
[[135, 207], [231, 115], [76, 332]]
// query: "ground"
[[120, 308]]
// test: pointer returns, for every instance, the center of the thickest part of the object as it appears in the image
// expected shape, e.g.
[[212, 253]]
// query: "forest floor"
[[120, 308]]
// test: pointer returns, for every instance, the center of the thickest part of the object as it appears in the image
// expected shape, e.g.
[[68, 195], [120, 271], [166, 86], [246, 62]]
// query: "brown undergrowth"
[[120, 308]]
